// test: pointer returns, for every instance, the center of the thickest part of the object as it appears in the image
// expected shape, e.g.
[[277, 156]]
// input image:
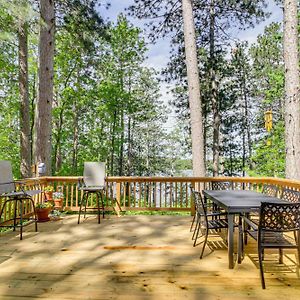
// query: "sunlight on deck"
[[132, 257]]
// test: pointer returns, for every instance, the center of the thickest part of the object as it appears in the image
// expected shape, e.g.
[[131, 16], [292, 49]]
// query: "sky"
[[158, 54]]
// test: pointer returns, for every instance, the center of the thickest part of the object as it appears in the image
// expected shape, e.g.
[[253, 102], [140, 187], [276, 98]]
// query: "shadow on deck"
[[132, 257]]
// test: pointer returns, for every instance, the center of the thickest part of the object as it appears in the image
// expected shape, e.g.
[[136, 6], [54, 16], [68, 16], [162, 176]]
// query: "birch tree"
[[292, 105], [45, 90]]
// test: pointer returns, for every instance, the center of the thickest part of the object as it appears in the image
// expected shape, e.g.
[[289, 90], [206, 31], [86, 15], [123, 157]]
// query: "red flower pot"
[[42, 214]]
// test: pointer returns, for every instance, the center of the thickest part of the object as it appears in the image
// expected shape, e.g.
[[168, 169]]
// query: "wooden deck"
[[132, 257]]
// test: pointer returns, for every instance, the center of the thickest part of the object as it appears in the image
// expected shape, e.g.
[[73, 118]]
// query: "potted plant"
[[48, 190], [43, 210], [58, 198]]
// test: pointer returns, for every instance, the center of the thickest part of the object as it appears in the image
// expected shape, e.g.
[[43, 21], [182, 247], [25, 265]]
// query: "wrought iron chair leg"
[[280, 256], [246, 227], [197, 234], [204, 243], [80, 207], [197, 221], [15, 214], [35, 214], [102, 203], [260, 257], [87, 194], [196, 227], [21, 219], [98, 206], [240, 242], [193, 221]]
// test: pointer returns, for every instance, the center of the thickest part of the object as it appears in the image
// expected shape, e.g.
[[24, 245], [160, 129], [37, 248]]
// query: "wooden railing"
[[146, 193]]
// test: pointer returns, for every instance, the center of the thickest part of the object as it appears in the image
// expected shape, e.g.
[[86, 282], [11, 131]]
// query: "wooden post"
[[117, 207]]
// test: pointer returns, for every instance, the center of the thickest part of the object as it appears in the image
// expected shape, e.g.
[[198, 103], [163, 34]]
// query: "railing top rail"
[[118, 179]]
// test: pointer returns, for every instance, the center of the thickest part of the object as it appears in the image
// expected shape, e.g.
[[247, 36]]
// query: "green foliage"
[[269, 158]]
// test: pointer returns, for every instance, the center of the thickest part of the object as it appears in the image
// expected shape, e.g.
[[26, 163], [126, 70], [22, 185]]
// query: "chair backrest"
[[94, 173], [270, 190], [290, 195], [6, 177], [200, 207], [279, 217], [221, 185]]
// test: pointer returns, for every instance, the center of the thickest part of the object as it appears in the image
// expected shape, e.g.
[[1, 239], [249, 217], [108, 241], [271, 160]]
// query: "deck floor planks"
[[90, 261]]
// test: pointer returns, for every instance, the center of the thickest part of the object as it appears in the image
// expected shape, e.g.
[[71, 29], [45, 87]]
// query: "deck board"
[[132, 257]]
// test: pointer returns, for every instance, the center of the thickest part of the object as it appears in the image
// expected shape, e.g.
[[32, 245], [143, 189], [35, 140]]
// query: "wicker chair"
[[93, 183], [274, 222]]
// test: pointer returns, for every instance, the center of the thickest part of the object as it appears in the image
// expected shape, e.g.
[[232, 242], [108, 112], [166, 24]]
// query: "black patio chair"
[[206, 221], [275, 221], [221, 185], [13, 192], [93, 182], [290, 195], [270, 190]]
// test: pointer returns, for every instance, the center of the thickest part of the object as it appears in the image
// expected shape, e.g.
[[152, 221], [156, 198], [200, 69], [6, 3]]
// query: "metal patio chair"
[[15, 199], [275, 221], [221, 185], [290, 195], [205, 221], [270, 190], [93, 182]]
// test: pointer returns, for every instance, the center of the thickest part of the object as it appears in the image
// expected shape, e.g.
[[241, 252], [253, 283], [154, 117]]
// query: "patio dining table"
[[236, 202]]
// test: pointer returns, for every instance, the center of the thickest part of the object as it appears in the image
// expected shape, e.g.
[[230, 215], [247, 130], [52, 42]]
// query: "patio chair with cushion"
[[275, 221], [93, 182], [15, 200]]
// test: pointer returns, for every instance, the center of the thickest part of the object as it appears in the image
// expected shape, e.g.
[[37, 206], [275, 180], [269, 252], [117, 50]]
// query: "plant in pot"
[[58, 198], [48, 190], [43, 210]]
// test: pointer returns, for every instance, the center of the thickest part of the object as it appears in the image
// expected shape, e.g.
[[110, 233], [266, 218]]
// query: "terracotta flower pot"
[[58, 203], [42, 214], [48, 195]]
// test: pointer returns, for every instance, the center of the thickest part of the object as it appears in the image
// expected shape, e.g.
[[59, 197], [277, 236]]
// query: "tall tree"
[[292, 103], [25, 132], [194, 88], [43, 121]]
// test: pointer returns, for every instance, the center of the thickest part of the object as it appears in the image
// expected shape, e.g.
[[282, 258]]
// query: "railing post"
[[193, 207], [118, 198]]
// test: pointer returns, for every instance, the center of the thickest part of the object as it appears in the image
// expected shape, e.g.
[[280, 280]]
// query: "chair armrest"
[[252, 224], [210, 214]]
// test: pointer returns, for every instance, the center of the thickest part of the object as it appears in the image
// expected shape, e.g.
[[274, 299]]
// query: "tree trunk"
[[75, 137], [45, 93], [194, 89], [25, 131], [213, 92], [113, 133], [292, 105], [129, 149]]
